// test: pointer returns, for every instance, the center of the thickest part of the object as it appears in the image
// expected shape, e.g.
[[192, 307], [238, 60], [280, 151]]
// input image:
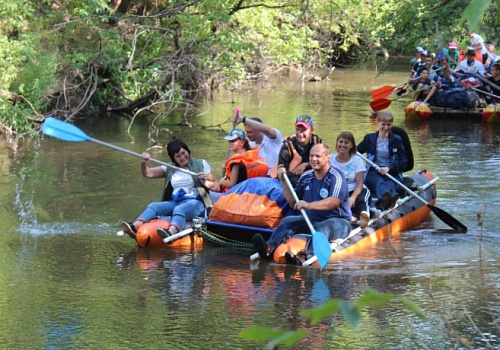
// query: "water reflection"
[[63, 265]]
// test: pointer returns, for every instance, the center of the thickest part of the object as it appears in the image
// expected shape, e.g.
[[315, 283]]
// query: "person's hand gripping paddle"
[[321, 246]]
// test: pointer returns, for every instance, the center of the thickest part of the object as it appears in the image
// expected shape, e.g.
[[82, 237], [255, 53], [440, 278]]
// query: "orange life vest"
[[255, 166], [296, 157]]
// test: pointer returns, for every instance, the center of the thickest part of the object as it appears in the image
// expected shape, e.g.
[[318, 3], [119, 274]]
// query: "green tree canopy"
[[76, 56]]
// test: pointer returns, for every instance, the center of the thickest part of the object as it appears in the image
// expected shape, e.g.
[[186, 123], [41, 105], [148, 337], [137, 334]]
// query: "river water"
[[68, 282]]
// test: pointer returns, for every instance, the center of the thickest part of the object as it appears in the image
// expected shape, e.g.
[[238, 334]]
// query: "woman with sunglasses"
[[244, 164]]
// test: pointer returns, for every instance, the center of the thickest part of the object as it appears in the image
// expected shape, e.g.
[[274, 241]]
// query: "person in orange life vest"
[[267, 139], [477, 43], [294, 154], [244, 164]]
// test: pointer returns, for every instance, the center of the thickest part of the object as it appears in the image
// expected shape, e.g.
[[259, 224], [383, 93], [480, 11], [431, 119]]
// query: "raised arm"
[[149, 172]]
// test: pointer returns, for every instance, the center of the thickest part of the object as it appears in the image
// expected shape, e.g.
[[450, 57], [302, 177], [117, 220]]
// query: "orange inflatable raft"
[[147, 237], [491, 114], [408, 212]]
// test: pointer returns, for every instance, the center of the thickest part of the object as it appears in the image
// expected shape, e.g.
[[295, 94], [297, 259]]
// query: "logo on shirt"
[[323, 193]]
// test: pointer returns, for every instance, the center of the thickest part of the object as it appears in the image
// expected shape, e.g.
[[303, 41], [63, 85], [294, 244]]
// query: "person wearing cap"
[[185, 196], [451, 55], [294, 154], [420, 63], [468, 68], [323, 194], [267, 139], [244, 164], [477, 44], [417, 57]]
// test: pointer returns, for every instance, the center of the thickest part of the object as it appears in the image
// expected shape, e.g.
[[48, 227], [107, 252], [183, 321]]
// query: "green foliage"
[[274, 337], [351, 311], [474, 11], [176, 49]]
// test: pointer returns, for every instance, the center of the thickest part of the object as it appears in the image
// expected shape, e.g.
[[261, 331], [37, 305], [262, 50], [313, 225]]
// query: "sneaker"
[[163, 233], [394, 199], [128, 228], [293, 259], [364, 218], [384, 202], [260, 245]]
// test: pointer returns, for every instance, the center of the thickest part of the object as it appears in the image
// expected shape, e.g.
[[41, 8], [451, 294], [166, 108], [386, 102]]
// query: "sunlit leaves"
[[410, 305], [352, 312], [274, 337], [328, 309], [374, 299], [474, 11]]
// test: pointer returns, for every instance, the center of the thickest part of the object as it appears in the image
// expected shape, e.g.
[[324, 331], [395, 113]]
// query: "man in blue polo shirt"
[[323, 194]]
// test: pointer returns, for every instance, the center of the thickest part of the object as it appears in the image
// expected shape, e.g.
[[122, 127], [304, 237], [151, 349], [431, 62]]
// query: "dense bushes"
[[78, 57]]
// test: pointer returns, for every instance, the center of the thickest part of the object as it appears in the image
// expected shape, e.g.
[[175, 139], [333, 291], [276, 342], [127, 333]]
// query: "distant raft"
[[491, 114]]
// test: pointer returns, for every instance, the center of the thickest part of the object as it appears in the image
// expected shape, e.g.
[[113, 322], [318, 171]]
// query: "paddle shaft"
[[486, 93], [124, 150], [237, 110], [302, 211], [178, 235], [389, 89], [483, 79], [393, 179], [444, 216]]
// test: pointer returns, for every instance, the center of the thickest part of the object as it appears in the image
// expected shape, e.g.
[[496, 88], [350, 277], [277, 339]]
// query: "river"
[[68, 282]]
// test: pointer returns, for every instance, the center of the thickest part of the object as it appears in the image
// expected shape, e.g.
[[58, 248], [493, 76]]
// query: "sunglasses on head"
[[303, 119]]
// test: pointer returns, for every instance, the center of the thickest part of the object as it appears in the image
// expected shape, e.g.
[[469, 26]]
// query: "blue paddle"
[[321, 246], [68, 132]]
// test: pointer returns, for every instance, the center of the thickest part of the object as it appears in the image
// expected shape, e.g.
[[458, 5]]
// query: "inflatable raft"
[[256, 205], [408, 212], [146, 236], [419, 111]]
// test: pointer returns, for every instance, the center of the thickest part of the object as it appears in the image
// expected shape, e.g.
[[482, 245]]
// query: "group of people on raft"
[[333, 189], [477, 68]]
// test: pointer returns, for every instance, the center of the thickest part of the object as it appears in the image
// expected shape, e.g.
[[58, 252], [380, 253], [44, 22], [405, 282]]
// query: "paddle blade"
[[321, 248], [382, 92], [448, 219], [64, 131], [380, 104]]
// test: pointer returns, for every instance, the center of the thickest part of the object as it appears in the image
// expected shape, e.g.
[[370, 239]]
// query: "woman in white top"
[[354, 171], [185, 196]]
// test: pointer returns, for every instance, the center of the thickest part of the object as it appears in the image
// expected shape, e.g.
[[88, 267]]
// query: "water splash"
[[62, 228], [24, 189]]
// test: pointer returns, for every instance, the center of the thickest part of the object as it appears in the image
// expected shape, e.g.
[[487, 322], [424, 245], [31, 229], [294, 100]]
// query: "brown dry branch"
[[476, 328]]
